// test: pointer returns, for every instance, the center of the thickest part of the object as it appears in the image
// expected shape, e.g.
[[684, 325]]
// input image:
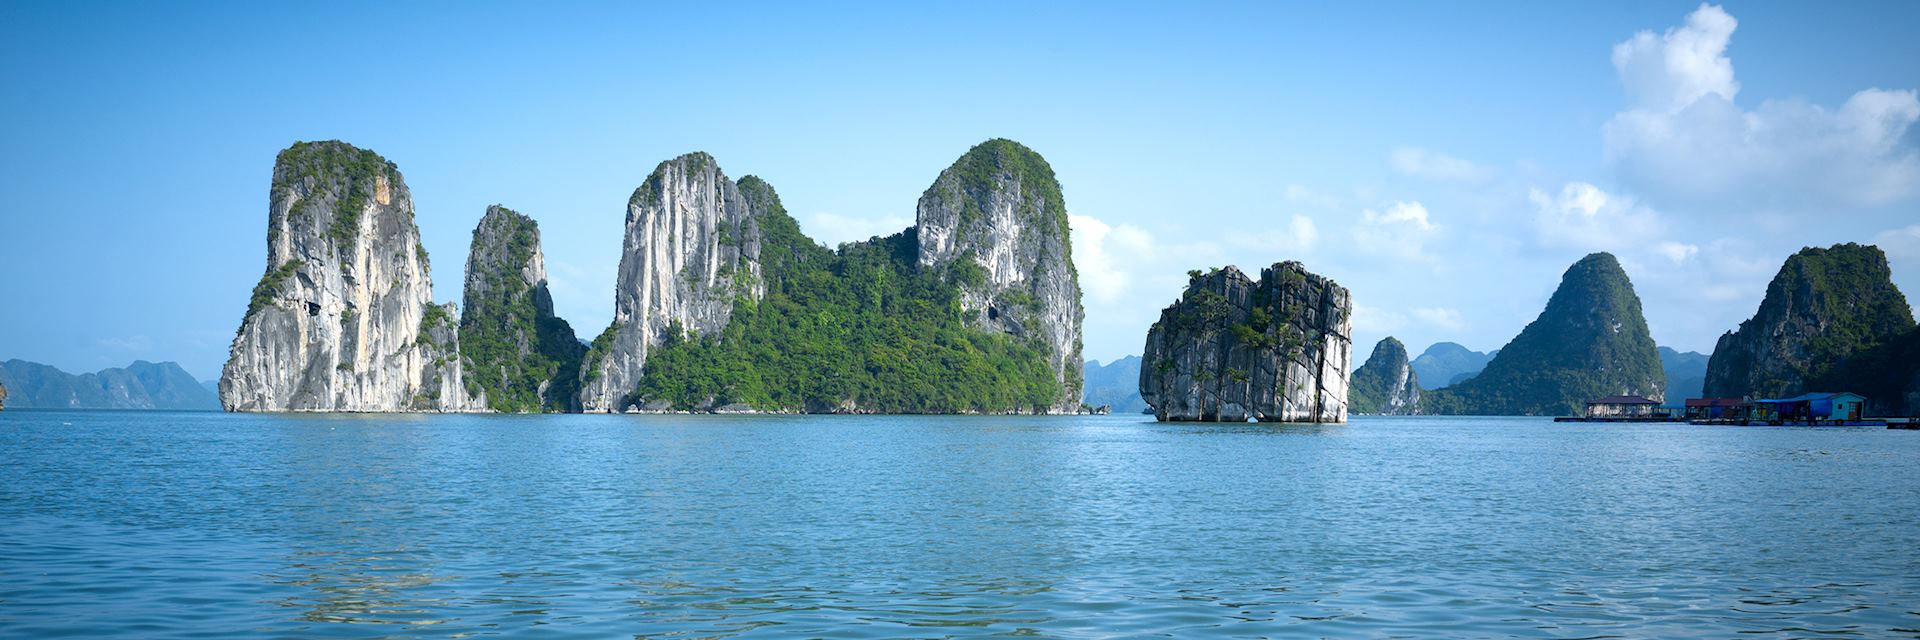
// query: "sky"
[[1445, 161]]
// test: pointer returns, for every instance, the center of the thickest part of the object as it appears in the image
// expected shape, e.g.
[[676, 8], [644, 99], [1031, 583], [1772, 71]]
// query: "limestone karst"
[[1386, 383], [722, 304], [1233, 349], [1824, 306], [519, 357], [1589, 342], [343, 318]]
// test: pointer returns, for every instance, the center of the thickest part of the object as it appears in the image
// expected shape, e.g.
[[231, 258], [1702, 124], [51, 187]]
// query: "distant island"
[[1832, 321], [722, 304], [141, 385]]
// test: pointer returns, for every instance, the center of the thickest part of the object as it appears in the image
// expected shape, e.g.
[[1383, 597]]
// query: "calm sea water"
[[200, 524]]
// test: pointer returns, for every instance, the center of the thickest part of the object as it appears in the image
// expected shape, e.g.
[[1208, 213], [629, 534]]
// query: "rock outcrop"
[[518, 356], [1888, 374], [343, 319], [1232, 349], [1822, 308], [3, 396], [1386, 384], [1589, 342], [1000, 208], [692, 246], [723, 304]]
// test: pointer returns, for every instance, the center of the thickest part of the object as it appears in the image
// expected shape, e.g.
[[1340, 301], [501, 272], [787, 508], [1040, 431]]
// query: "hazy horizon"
[[1445, 162]]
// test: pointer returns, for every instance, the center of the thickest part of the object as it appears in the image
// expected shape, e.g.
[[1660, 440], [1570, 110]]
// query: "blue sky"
[[1446, 161]]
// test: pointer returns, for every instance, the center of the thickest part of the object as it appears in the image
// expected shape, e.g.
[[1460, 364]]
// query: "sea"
[[204, 525]]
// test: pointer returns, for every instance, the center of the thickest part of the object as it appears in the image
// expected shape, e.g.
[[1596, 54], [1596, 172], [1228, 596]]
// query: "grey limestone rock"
[[1233, 349], [1000, 207], [343, 319], [1386, 384], [692, 245]]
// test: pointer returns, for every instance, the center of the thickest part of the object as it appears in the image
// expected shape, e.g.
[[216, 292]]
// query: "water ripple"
[[212, 525]]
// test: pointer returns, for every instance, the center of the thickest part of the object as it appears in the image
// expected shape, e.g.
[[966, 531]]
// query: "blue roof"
[[1807, 397]]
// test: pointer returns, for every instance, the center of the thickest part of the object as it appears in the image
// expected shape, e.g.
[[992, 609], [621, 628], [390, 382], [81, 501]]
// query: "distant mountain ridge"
[[141, 385], [1686, 374], [1115, 384], [1445, 362]]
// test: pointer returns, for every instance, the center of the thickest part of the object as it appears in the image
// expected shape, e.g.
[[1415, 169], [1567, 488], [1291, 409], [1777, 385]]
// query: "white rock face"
[[344, 319], [1000, 207], [692, 246]]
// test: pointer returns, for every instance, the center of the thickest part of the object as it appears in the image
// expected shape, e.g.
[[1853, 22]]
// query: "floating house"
[[1625, 407], [1811, 407], [1716, 408]]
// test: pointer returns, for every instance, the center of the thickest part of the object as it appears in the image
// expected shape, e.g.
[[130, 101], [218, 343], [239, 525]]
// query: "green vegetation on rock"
[[1373, 386], [1590, 341], [271, 285], [519, 354], [1824, 306], [354, 169], [862, 327]]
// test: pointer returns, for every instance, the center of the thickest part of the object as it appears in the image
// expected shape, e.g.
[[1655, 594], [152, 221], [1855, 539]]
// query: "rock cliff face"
[[692, 247], [1590, 341], [3, 396], [519, 357], [1823, 307], [1000, 207], [343, 319], [1386, 384], [1231, 349], [723, 304]]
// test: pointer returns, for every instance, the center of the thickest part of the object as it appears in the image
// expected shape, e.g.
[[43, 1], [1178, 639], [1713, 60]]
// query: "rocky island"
[[1825, 306], [519, 357], [1832, 320], [344, 318], [723, 304], [1590, 341], [1386, 384], [1232, 349]]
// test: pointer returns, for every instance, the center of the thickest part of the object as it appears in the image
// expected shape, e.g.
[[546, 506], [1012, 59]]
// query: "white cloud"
[[1440, 317], [1583, 216], [1117, 261], [1101, 253], [1421, 163], [1402, 230], [1299, 236], [1676, 251], [1377, 320], [832, 229], [1685, 140], [1902, 243], [1683, 65]]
